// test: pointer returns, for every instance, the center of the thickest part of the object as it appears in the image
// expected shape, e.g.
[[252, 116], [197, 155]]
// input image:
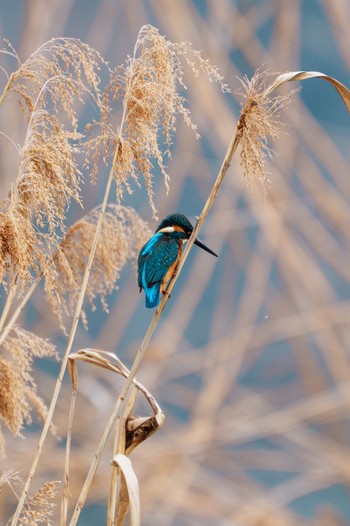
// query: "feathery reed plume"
[[49, 83], [8, 477], [48, 173], [54, 77], [258, 125], [32, 217], [18, 394], [122, 234], [259, 118], [19, 247], [148, 84], [66, 67], [39, 507]]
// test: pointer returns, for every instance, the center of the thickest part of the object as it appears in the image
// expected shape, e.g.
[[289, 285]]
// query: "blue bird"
[[159, 257]]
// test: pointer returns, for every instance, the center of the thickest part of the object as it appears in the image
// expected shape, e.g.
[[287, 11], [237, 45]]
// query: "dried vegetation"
[[86, 259], [279, 426]]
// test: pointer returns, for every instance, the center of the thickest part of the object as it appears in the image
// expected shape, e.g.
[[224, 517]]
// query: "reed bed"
[[249, 360]]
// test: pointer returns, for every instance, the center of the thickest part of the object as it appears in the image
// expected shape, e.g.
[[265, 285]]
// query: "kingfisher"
[[159, 257]]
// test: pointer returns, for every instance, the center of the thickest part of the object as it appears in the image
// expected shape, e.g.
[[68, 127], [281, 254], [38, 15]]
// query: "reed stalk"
[[71, 337], [119, 407]]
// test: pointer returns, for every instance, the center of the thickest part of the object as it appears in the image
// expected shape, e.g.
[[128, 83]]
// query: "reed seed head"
[[258, 125], [148, 84], [122, 234], [59, 73], [39, 507], [18, 394]]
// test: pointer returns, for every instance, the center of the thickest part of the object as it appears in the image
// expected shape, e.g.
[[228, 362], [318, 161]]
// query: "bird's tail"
[[152, 296]]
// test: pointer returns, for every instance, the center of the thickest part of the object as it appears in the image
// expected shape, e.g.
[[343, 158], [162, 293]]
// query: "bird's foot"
[[166, 292]]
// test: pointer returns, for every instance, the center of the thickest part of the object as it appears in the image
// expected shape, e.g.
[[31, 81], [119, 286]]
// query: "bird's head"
[[178, 225]]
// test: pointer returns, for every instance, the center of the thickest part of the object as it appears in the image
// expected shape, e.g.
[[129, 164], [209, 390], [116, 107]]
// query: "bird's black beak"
[[202, 245]]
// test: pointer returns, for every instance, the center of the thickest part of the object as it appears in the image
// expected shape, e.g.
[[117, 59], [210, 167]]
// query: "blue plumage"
[[159, 257], [155, 259]]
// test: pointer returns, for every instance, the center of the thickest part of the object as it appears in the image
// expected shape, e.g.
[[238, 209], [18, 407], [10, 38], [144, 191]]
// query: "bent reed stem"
[[121, 401]]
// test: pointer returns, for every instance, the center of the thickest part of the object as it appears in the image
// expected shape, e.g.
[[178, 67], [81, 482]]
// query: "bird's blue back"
[[155, 258]]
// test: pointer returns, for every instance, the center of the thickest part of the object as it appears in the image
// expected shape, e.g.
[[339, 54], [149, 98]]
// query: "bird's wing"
[[155, 261], [157, 267], [140, 266], [144, 254]]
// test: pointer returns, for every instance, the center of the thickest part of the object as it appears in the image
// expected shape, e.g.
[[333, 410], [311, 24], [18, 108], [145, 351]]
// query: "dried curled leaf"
[[138, 429], [130, 487], [343, 91]]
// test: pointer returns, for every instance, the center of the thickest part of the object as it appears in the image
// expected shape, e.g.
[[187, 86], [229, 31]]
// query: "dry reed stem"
[[65, 357], [138, 429], [73, 373], [118, 409], [71, 337], [6, 89], [10, 297], [119, 447]]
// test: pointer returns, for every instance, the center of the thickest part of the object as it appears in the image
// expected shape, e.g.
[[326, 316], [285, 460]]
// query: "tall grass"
[[85, 260], [88, 259]]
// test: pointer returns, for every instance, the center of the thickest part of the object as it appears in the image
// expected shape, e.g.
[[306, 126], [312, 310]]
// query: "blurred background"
[[250, 361]]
